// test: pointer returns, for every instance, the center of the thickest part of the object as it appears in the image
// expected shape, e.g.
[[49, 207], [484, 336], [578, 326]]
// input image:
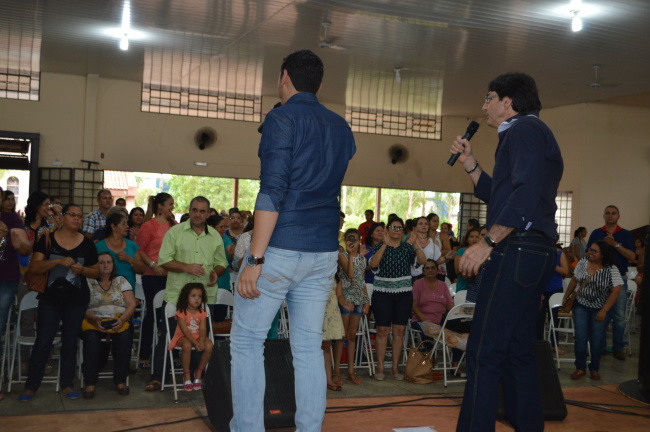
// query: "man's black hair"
[[519, 87], [305, 70]]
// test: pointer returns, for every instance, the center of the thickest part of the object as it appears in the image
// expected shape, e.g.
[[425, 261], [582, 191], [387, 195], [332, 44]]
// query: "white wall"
[[605, 145]]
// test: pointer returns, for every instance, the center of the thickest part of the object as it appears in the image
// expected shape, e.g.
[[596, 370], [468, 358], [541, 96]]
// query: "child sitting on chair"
[[191, 331]]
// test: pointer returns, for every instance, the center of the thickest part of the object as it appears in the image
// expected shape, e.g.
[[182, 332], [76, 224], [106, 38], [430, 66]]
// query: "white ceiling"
[[449, 49]]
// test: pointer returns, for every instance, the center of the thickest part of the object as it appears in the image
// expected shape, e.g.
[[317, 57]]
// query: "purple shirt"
[[9, 270]]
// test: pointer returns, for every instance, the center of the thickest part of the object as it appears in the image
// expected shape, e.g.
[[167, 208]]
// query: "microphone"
[[261, 128], [469, 133]]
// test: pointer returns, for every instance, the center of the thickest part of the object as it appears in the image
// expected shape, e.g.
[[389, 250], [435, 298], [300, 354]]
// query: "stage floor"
[[439, 418]]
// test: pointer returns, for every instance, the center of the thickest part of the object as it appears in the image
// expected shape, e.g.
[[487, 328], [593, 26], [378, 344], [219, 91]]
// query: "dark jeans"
[[49, 316], [500, 345], [121, 347], [587, 329], [541, 317], [151, 285]]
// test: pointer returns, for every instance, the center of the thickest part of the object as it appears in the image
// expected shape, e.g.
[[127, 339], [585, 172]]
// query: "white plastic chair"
[[448, 282], [170, 311], [452, 289], [630, 312], [460, 311], [459, 298], [157, 304], [565, 326], [6, 343], [138, 293], [364, 347], [283, 324], [28, 302]]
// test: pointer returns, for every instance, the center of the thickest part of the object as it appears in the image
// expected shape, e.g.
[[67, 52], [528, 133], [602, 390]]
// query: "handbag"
[[567, 306], [38, 282], [419, 365], [89, 325]]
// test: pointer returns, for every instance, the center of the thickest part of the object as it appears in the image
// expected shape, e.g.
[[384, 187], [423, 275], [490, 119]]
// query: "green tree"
[[142, 197], [248, 190], [183, 188]]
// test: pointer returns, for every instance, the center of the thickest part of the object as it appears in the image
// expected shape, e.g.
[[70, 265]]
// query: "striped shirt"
[[595, 292]]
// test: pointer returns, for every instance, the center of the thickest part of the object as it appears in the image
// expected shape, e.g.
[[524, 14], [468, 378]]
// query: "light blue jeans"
[[8, 291], [305, 280]]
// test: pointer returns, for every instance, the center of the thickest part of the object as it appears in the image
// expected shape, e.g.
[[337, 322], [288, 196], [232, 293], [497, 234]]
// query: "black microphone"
[[469, 133], [261, 128]]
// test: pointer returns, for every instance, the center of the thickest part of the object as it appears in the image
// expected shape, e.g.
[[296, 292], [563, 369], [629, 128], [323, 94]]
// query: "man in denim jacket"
[[304, 153]]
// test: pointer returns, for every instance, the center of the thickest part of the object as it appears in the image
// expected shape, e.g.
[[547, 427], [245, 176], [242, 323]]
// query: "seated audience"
[[111, 307]]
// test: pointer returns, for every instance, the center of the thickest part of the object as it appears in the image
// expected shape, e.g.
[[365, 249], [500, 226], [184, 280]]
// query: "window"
[[20, 57], [563, 217], [183, 82], [13, 185], [470, 208], [405, 103]]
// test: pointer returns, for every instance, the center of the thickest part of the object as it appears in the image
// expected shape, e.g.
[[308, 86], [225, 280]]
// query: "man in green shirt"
[[191, 252]]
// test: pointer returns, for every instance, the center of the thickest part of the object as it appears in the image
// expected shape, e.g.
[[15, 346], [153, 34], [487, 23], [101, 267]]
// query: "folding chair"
[[630, 312], [141, 311], [565, 326], [364, 347], [283, 325], [460, 297], [157, 304], [102, 374], [6, 343], [452, 289], [460, 311], [170, 311], [28, 302]]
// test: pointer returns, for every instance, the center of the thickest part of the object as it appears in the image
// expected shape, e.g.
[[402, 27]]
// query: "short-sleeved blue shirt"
[[122, 268]]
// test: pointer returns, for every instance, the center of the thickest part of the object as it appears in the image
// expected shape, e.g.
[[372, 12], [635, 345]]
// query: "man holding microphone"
[[519, 253]]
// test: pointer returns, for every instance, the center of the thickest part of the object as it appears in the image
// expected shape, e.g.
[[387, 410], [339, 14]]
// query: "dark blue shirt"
[[527, 171], [623, 236], [304, 153]]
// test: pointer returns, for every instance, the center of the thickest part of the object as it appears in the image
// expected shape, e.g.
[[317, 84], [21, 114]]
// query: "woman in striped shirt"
[[602, 284]]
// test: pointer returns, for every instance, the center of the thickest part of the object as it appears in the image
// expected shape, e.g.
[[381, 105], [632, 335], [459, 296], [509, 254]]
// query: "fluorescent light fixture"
[[203, 164], [576, 23], [126, 26]]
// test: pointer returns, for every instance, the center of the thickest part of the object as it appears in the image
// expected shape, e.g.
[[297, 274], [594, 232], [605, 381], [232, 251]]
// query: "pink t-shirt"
[[149, 238], [432, 304]]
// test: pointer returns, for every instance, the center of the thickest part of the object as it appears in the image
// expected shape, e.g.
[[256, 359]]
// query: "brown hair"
[[181, 305]]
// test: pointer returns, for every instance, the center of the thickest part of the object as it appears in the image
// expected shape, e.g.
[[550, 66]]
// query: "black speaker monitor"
[[279, 398]]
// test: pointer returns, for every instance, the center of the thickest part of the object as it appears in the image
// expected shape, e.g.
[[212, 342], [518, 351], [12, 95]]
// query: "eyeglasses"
[[396, 228], [592, 250], [74, 215], [489, 97]]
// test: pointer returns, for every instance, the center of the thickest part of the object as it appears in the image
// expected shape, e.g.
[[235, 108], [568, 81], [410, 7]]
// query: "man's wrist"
[[469, 163]]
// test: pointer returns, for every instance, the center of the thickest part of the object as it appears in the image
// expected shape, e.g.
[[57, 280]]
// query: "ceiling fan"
[[596, 83], [326, 42]]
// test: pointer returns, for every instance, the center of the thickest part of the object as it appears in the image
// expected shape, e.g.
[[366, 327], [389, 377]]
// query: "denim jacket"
[[304, 153]]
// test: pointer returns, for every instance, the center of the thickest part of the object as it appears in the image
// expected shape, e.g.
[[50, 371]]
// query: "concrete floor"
[[106, 397]]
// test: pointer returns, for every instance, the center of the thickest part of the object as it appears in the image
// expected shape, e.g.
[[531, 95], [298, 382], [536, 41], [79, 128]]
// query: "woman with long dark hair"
[[150, 237], [36, 213], [69, 260], [136, 219], [599, 282]]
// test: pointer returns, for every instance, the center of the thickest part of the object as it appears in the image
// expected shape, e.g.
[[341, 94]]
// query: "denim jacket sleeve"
[[276, 157]]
